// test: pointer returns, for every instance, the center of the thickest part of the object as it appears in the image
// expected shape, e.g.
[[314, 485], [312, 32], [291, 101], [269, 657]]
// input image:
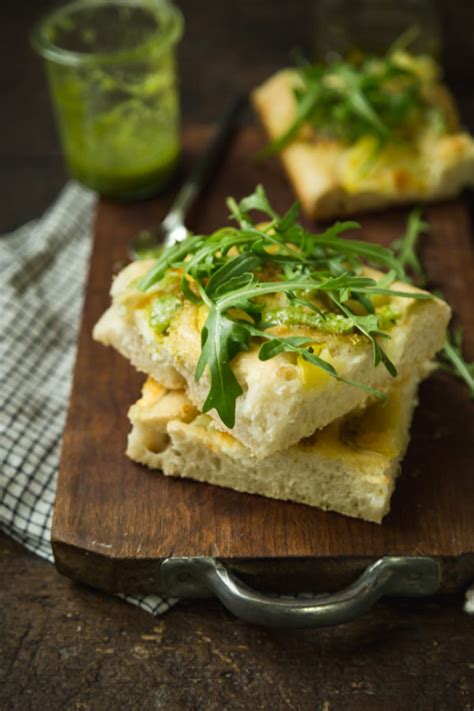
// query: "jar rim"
[[159, 41]]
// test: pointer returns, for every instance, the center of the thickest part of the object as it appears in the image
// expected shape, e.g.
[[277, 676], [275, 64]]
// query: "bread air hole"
[[288, 373], [157, 442]]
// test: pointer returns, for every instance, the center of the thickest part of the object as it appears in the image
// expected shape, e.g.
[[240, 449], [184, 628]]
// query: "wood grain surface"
[[115, 520]]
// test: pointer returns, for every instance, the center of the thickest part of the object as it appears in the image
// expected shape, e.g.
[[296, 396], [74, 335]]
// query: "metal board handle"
[[199, 577]]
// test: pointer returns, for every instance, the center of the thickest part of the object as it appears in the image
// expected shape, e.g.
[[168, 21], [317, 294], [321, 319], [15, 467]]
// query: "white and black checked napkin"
[[43, 266]]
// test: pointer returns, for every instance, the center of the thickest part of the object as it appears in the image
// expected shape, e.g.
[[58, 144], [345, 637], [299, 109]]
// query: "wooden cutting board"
[[115, 521]]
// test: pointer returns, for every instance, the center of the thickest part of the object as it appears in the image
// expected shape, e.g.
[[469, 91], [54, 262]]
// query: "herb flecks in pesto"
[[453, 361], [161, 311], [297, 315]]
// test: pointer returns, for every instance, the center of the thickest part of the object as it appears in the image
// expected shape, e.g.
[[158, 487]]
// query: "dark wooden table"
[[67, 647]]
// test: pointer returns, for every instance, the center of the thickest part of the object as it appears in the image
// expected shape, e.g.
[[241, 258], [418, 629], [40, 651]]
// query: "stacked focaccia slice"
[[299, 434], [349, 466]]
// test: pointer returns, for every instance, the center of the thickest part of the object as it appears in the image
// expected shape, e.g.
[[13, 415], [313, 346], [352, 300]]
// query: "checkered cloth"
[[42, 271]]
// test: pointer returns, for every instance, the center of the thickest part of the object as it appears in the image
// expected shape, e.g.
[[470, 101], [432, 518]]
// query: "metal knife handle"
[[205, 167], [199, 577]]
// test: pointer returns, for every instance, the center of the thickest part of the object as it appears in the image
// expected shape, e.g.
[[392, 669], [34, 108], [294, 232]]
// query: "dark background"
[[67, 647]]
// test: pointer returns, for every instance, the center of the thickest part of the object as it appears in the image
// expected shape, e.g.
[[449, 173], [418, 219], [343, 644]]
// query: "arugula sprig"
[[379, 97], [235, 270], [452, 360], [405, 248], [451, 357]]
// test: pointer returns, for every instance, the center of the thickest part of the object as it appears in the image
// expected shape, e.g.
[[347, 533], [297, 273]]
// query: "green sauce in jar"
[[112, 77]]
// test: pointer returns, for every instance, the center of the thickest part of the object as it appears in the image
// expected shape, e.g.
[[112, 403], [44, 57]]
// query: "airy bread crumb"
[[349, 467]]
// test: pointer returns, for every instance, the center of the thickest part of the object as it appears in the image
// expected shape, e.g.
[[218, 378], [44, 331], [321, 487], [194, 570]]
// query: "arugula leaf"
[[369, 327], [221, 340], [257, 201], [289, 219], [295, 344], [274, 346], [298, 344], [451, 357], [453, 362], [359, 102], [171, 256], [405, 247], [305, 106], [224, 279], [404, 40], [373, 253]]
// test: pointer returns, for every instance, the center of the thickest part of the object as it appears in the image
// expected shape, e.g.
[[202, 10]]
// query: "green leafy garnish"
[[248, 276], [380, 97], [451, 357], [406, 247], [453, 362]]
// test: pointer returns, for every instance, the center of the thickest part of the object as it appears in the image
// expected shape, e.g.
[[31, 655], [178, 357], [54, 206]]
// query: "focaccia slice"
[[284, 399], [349, 466], [330, 178]]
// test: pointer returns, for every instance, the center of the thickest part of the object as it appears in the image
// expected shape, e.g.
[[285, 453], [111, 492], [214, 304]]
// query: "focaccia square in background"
[[398, 140]]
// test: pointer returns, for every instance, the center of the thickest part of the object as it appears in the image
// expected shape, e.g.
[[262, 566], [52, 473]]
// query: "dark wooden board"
[[114, 520]]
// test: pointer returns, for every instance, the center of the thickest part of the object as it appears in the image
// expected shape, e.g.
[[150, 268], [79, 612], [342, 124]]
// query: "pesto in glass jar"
[[112, 76]]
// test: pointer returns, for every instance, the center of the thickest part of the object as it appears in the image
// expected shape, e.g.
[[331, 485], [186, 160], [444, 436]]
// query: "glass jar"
[[112, 77]]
